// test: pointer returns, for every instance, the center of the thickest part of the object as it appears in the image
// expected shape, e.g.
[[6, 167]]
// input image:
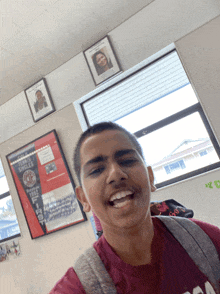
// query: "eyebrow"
[[96, 159], [101, 158], [123, 152]]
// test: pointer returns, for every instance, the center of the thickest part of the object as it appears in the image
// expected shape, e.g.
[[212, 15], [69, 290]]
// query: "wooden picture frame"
[[102, 61], [39, 100], [45, 186]]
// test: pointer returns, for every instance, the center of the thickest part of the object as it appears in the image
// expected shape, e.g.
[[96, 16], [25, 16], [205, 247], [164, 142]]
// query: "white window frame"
[[192, 109]]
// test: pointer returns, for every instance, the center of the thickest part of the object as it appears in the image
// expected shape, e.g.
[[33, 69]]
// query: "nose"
[[116, 174]]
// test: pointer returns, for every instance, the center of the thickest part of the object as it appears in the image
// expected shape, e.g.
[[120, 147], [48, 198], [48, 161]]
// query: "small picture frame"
[[39, 100], [45, 186], [102, 61]]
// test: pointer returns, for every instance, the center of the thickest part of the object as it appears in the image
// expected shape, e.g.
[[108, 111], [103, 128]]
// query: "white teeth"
[[118, 205], [120, 195]]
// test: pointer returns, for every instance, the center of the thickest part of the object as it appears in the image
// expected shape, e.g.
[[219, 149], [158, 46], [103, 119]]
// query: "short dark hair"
[[38, 91], [95, 129]]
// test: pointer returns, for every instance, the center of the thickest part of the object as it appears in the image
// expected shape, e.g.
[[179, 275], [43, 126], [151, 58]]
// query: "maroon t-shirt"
[[171, 270]]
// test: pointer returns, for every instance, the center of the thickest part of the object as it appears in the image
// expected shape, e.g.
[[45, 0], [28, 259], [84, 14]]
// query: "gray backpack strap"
[[92, 274], [197, 244]]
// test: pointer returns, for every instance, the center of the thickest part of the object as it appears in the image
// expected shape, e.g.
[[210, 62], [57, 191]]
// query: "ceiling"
[[37, 36]]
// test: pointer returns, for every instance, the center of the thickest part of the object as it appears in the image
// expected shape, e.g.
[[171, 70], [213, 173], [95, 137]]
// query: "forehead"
[[105, 143], [99, 55]]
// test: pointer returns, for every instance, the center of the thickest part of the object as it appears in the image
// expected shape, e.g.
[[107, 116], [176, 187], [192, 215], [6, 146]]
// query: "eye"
[[96, 171]]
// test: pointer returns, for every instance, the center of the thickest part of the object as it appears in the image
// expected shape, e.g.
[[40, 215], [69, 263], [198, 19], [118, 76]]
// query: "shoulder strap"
[[92, 273], [95, 279], [197, 244]]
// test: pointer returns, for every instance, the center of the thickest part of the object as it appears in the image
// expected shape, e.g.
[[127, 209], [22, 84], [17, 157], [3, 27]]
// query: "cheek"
[[93, 190], [144, 184], [141, 176]]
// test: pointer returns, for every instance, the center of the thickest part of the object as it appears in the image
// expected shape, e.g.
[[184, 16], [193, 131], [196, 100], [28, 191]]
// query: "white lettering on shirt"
[[197, 290], [208, 288]]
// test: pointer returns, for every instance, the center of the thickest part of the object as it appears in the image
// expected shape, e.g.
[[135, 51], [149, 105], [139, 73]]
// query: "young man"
[[40, 102], [137, 250]]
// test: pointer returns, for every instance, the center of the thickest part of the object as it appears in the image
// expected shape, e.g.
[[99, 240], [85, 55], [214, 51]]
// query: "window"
[[203, 153], [175, 166], [158, 105], [9, 227]]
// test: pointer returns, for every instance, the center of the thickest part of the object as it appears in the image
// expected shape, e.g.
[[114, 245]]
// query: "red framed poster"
[[45, 186]]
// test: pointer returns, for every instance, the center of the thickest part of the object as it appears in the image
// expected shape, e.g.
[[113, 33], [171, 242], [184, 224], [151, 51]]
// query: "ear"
[[151, 178], [82, 198]]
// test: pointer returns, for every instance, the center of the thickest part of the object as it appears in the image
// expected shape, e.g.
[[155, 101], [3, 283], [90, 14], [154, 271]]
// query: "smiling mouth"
[[117, 203]]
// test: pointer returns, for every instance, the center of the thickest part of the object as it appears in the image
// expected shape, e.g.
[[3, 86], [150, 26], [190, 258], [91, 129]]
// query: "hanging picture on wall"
[[39, 100], [102, 61], [9, 250], [45, 186]]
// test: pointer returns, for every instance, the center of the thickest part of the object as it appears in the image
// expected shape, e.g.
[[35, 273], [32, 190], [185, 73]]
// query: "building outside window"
[[189, 158], [159, 106]]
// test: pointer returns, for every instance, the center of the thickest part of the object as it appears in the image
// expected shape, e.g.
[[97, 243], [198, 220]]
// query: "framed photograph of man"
[[102, 61], [39, 100]]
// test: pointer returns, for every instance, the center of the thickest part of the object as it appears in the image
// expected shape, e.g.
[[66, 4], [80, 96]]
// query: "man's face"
[[112, 168], [39, 95]]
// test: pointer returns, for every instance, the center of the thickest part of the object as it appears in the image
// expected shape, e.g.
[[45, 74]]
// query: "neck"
[[132, 245]]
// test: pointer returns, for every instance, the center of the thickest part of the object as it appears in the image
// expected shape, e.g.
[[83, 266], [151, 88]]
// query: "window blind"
[[140, 89]]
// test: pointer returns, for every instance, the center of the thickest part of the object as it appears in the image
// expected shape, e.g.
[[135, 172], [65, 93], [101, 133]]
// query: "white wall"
[[150, 30], [45, 260]]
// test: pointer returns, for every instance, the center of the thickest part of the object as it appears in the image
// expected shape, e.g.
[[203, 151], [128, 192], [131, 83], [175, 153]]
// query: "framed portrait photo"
[[102, 61], [45, 187], [39, 100]]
